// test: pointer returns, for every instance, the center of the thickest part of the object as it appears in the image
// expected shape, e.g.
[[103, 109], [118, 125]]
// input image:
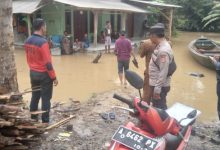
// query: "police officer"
[[162, 56]]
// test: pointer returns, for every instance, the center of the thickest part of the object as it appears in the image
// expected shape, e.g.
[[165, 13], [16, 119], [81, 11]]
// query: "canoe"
[[201, 49]]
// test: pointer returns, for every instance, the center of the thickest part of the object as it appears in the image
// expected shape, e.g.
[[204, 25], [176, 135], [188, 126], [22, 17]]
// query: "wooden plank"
[[164, 15], [37, 112], [6, 109], [68, 110], [26, 140], [26, 127], [16, 103], [16, 147], [6, 124], [11, 132], [61, 122], [5, 97]]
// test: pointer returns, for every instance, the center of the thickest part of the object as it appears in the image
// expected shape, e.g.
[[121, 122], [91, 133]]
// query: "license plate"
[[134, 140]]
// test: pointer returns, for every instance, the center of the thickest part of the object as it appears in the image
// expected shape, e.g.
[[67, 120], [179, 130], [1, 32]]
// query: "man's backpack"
[[172, 66]]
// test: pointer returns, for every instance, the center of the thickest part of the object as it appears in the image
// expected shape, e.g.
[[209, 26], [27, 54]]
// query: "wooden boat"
[[202, 48]]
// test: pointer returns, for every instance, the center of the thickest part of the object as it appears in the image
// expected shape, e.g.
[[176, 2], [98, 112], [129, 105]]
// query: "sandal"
[[111, 115], [104, 116]]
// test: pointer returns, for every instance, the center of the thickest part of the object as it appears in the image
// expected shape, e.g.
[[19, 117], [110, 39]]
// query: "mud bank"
[[91, 132]]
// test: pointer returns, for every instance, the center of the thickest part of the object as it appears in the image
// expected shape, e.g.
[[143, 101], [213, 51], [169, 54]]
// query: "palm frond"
[[217, 6], [210, 17], [211, 20]]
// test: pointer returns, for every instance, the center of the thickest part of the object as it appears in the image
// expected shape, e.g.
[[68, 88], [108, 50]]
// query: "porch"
[[77, 17], [101, 47]]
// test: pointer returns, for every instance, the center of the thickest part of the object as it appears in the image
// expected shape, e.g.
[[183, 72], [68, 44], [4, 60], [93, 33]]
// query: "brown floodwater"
[[80, 79]]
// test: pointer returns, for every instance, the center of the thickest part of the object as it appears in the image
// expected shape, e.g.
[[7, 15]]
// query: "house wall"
[[138, 24], [102, 21], [54, 15], [138, 18]]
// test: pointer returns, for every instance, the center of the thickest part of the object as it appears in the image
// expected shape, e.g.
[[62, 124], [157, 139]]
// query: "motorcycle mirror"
[[192, 114], [134, 79]]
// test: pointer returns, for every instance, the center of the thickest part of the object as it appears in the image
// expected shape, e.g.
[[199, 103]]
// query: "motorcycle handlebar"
[[124, 100]]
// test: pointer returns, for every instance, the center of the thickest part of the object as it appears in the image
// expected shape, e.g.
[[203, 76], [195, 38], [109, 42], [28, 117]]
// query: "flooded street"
[[80, 79]]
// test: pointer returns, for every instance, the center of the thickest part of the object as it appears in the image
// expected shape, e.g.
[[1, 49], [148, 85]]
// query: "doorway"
[[80, 24], [130, 25]]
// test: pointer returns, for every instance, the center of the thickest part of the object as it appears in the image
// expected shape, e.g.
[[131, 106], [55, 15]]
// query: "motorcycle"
[[157, 129]]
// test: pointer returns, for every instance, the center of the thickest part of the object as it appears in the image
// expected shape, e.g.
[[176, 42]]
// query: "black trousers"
[[218, 94], [42, 80], [162, 102]]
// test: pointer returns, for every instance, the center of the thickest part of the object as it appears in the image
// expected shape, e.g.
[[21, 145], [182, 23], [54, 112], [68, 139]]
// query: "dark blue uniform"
[[218, 86]]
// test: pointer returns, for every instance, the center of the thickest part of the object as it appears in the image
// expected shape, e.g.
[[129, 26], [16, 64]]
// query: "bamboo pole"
[[60, 122]]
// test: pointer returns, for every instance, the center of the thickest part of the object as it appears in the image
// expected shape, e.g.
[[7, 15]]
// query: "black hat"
[[122, 33], [157, 29]]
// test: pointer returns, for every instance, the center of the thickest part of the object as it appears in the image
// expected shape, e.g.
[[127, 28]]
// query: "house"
[[85, 16], [74, 16]]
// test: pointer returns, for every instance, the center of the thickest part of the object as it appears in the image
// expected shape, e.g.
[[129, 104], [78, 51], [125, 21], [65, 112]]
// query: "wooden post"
[[95, 12], [72, 24], [123, 21], [170, 23], [29, 24], [88, 22], [168, 15]]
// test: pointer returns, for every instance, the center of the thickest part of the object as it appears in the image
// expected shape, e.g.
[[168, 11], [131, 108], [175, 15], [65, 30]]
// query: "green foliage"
[[214, 15], [190, 16], [193, 15], [153, 18]]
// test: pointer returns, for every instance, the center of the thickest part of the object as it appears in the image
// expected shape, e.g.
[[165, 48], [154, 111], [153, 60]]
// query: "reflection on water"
[[79, 78]]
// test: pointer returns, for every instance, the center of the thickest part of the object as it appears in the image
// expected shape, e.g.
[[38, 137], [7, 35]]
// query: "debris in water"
[[195, 74], [96, 60], [134, 61], [64, 134]]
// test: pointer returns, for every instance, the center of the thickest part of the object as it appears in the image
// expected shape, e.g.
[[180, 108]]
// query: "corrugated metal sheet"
[[25, 6], [156, 4], [103, 5]]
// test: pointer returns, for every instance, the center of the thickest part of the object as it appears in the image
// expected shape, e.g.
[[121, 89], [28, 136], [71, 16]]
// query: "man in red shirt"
[[42, 73], [123, 50]]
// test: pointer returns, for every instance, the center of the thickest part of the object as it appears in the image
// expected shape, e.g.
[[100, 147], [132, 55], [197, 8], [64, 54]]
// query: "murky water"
[[80, 79]]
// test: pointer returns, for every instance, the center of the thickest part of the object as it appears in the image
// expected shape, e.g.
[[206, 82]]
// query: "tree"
[[8, 72], [190, 16], [214, 15]]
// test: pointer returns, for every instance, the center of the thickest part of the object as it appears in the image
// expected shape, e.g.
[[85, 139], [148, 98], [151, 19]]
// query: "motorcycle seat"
[[173, 141]]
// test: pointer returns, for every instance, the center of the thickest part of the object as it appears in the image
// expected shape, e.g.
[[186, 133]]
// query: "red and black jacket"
[[38, 55]]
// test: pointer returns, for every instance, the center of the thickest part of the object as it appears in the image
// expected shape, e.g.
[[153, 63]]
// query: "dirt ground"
[[91, 132]]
